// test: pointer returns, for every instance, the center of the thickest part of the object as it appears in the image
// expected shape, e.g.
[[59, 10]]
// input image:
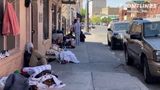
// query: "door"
[[54, 17], [34, 24], [135, 45]]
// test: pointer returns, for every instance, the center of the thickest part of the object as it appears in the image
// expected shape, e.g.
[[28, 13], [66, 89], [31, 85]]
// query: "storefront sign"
[[134, 5]]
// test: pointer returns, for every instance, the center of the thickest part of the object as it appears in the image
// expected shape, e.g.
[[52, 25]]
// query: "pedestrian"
[[36, 59], [77, 30]]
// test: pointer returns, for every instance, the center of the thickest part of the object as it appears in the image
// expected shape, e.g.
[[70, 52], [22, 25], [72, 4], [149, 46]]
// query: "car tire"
[[112, 45], [147, 75], [128, 59], [109, 43]]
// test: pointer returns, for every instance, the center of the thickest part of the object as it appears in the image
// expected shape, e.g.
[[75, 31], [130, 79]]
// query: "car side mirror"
[[109, 29], [135, 36]]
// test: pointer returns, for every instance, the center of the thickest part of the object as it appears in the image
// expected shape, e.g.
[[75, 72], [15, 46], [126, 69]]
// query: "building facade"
[[95, 7], [151, 9], [36, 25], [110, 12], [69, 12], [154, 12]]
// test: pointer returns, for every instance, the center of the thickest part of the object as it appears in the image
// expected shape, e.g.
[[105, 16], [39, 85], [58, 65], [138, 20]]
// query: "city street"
[[100, 68]]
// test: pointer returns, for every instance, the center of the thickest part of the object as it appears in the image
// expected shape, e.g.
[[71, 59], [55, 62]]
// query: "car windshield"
[[121, 26], [152, 29]]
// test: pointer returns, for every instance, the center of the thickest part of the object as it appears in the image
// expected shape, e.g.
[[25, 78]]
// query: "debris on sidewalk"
[[63, 55], [43, 78], [32, 78]]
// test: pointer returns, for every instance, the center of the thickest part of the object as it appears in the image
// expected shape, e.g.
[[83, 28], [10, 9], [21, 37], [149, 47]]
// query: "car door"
[[135, 43]]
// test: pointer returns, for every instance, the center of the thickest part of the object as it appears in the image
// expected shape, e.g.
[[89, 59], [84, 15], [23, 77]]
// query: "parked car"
[[142, 47], [115, 34]]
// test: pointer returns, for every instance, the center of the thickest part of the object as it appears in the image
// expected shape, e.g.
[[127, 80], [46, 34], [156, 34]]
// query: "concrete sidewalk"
[[99, 69]]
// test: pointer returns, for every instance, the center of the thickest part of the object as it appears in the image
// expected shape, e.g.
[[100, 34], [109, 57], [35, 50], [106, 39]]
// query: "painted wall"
[[15, 60]]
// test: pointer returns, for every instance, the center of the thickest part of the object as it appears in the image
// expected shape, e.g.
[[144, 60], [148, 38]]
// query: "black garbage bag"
[[16, 82]]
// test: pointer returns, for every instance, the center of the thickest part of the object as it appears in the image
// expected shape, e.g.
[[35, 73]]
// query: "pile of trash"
[[32, 78]]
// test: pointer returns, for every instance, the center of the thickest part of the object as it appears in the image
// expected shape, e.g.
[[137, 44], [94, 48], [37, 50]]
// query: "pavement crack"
[[92, 81], [120, 65]]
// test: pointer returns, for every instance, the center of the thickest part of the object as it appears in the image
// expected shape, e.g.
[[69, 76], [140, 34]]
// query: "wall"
[[110, 11], [15, 60]]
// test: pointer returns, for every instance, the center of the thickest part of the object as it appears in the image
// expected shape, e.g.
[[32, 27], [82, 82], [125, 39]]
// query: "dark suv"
[[115, 34], [142, 47]]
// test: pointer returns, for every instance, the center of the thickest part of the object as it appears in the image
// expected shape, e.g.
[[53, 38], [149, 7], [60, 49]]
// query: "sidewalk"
[[98, 69]]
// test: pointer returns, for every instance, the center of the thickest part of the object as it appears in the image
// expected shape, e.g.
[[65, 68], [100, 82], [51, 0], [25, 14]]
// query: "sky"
[[115, 3], [112, 3]]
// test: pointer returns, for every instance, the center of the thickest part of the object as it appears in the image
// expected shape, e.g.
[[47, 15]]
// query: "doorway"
[[34, 24], [54, 15]]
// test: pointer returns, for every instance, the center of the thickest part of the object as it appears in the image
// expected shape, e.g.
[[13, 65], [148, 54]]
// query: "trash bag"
[[16, 81]]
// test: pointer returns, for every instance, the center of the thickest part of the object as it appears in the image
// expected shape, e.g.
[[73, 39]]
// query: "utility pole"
[[87, 17]]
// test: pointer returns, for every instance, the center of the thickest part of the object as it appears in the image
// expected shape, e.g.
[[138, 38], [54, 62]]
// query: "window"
[[46, 19], [136, 28], [7, 42]]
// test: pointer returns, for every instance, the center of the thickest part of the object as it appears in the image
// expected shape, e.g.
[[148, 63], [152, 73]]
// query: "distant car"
[[115, 34], [91, 26], [142, 47]]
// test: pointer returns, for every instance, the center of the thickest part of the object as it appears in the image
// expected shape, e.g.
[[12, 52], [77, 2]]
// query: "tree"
[[104, 20], [83, 14], [95, 19], [109, 19]]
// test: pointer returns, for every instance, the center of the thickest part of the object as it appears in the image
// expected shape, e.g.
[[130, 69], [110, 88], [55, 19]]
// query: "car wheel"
[[147, 75], [109, 43], [112, 45], [128, 59]]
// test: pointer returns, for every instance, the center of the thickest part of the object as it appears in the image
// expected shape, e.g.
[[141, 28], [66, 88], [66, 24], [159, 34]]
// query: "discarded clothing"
[[68, 56], [10, 21], [43, 78], [36, 70]]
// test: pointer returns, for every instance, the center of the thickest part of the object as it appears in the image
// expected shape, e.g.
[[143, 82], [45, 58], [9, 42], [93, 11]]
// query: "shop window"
[[11, 42], [7, 42], [46, 19]]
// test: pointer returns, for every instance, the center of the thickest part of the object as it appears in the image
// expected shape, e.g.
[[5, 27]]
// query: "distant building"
[[141, 8], [95, 7], [154, 12], [110, 12]]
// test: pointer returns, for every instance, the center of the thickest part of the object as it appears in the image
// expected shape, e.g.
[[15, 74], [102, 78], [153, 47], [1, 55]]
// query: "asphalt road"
[[132, 70]]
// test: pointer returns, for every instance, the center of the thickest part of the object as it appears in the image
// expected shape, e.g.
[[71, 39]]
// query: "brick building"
[[36, 25], [154, 12]]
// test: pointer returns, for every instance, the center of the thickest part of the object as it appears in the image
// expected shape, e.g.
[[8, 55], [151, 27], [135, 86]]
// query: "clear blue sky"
[[116, 3], [112, 3]]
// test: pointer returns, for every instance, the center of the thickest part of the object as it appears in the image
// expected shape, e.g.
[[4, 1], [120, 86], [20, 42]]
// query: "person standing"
[[77, 30]]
